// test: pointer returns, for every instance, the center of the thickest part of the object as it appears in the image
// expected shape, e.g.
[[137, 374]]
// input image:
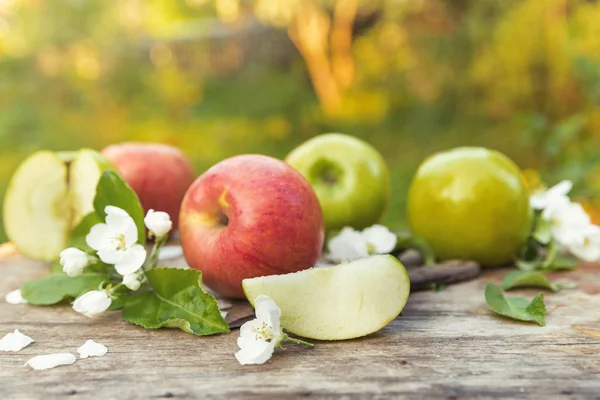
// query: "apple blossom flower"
[[556, 194], [92, 349], [92, 303], [379, 239], [116, 241], [259, 337], [158, 223], [351, 245], [15, 341], [568, 223], [51, 360], [133, 281], [15, 297], [73, 261], [348, 245], [588, 249], [570, 226]]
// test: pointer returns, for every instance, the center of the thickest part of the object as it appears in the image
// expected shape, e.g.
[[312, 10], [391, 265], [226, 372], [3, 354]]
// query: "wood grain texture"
[[446, 345]]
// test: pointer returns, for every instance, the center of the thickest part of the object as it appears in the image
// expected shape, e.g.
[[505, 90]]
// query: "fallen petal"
[[92, 349], [15, 297], [224, 314], [15, 341], [51, 360]]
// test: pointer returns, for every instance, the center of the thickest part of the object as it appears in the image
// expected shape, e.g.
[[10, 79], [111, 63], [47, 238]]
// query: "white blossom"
[[15, 341], [15, 297], [351, 245], [73, 261], [588, 249], [348, 245], [259, 337], [379, 239], [133, 281], [568, 223], [570, 226], [92, 349], [51, 360], [158, 223], [93, 303], [542, 199], [116, 241]]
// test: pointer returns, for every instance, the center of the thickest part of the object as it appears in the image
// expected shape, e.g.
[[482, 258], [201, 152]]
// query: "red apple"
[[160, 174], [249, 216]]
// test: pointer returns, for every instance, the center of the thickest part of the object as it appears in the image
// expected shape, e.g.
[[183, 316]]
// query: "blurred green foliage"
[[224, 77]]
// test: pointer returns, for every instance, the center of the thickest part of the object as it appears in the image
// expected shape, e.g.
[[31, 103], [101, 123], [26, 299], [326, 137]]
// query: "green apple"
[[47, 197], [349, 176], [335, 303], [470, 203]]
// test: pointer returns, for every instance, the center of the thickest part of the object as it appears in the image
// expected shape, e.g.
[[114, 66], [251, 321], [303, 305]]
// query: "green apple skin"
[[350, 177], [470, 203], [346, 301]]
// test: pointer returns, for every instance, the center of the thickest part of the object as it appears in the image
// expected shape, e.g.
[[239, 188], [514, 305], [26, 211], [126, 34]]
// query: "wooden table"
[[445, 345]]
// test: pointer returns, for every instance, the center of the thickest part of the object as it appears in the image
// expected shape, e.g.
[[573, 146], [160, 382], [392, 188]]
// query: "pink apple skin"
[[158, 173], [249, 216]]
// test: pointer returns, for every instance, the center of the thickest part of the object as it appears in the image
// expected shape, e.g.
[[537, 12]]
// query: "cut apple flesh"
[[47, 197], [335, 303], [84, 174], [36, 213]]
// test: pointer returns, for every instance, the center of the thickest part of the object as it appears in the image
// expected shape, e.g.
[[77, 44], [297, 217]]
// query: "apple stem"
[[286, 338]]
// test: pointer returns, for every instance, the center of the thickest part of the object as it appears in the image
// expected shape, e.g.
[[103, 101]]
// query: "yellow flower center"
[[121, 243], [370, 248], [264, 332]]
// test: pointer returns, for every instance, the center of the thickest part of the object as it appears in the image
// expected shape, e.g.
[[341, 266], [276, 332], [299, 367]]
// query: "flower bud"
[[93, 303], [73, 261], [158, 222]]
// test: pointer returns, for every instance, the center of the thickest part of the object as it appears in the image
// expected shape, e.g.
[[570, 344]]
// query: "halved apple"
[[46, 198], [84, 173], [335, 303]]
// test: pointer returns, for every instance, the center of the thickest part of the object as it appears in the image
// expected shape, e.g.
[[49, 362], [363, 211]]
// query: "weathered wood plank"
[[445, 345]]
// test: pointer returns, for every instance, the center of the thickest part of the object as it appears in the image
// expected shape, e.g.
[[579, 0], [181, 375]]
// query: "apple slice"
[[335, 303], [36, 213], [47, 197], [84, 173]]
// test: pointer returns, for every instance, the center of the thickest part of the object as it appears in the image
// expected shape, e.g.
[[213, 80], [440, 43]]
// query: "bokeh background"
[[224, 77]]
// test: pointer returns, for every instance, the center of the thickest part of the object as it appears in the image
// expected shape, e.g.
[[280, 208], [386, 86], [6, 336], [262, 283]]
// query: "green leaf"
[[78, 235], [56, 268], [528, 279], [177, 301], [58, 287], [562, 262], [119, 298], [516, 308], [524, 265], [113, 191], [542, 233]]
